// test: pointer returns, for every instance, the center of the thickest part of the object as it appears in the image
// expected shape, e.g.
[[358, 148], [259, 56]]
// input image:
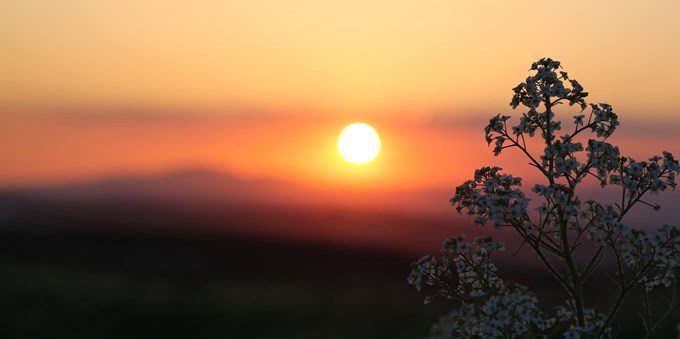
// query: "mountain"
[[205, 202], [213, 203]]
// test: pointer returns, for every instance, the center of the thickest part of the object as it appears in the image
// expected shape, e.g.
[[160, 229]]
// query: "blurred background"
[[170, 169]]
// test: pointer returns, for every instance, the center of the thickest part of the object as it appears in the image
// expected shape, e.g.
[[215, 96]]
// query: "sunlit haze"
[[193, 169], [359, 143], [260, 88]]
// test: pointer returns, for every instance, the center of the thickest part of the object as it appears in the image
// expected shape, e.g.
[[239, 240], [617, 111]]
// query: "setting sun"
[[359, 143]]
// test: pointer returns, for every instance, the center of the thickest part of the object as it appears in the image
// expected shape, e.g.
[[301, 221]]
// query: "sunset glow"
[[261, 89], [359, 143], [270, 168]]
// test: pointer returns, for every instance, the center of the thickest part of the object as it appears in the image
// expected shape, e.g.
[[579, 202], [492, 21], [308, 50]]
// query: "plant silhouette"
[[571, 237]]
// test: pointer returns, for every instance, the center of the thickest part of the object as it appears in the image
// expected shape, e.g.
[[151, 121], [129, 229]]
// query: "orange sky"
[[415, 154], [262, 88], [294, 148]]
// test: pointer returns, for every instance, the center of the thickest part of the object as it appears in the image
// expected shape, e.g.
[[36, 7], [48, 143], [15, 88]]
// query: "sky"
[[261, 89]]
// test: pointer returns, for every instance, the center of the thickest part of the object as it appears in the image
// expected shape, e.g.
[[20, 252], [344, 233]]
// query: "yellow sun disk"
[[359, 143]]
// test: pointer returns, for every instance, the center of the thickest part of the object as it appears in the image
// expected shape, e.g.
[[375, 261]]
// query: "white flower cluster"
[[594, 322], [495, 130], [557, 195], [512, 313], [604, 120], [491, 196], [563, 156], [547, 83], [604, 158], [604, 223], [491, 308], [474, 273], [655, 256], [654, 175]]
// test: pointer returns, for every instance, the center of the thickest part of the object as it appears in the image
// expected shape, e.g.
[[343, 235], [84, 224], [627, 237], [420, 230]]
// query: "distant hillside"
[[208, 202], [205, 202], [200, 254]]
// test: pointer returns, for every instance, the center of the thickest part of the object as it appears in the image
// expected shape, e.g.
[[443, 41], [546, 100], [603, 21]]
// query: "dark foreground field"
[[77, 284], [80, 284], [179, 258]]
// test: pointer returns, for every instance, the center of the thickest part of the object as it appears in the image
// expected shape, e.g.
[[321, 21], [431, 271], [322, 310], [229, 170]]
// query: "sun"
[[359, 143]]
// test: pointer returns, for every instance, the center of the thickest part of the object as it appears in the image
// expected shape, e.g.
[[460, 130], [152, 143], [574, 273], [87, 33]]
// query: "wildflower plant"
[[558, 227]]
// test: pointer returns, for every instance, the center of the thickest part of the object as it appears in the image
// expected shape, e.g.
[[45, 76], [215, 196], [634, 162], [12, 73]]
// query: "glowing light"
[[359, 143]]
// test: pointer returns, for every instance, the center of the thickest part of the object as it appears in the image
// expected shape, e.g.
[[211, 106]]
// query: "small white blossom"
[[490, 307]]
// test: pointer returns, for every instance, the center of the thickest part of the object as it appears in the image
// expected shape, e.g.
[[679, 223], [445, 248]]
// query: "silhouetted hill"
[[201, 254], [212, 203]]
